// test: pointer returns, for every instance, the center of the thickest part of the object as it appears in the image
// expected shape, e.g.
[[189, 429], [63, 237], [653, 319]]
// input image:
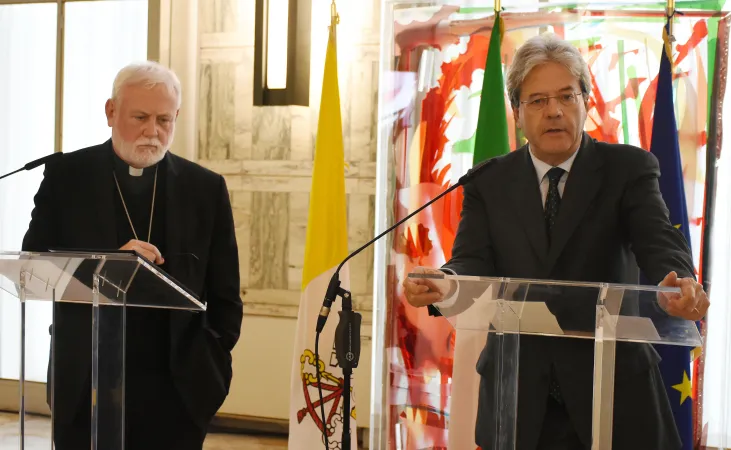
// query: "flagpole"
[[669, 13], [347, 333], [334, 19], [497, 6]]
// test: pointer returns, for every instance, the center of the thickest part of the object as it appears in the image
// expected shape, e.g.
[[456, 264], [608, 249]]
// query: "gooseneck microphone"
[[347, 333], [334, 285], [38, 162]]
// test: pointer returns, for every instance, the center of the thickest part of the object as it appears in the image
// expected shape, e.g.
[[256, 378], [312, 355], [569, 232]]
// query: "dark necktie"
[[553, 198], [553, 202]]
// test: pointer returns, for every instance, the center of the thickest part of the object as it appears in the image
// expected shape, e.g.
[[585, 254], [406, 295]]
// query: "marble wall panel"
[[266, 153], [216, 110], [268, 246]]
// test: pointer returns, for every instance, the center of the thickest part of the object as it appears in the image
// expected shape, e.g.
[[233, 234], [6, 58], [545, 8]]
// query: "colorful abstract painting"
[[431, 110]]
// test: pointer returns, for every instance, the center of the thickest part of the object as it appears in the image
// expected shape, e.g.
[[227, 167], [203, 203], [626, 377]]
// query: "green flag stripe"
[[491, 136]]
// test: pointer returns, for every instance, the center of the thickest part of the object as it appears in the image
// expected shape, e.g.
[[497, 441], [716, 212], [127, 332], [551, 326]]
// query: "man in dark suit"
[[567, 207], [130, 193]]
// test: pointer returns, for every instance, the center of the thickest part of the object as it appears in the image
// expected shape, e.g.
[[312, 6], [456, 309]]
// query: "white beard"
[[139, 157]]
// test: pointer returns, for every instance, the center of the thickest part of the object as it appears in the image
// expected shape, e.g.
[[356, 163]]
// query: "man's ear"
[[110, 111], [518, 118]]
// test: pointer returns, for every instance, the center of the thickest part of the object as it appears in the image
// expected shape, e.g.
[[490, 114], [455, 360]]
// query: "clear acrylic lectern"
[[504, 309], [100, 286]]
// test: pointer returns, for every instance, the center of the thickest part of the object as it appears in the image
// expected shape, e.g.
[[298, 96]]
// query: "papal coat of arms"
[[332, 392]]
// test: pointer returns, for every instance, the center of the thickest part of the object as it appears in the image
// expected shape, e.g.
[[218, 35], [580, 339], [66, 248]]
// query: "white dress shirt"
[[542, 169]]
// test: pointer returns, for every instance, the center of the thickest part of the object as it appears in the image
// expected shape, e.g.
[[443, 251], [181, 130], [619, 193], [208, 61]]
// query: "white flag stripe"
[[304, 410]]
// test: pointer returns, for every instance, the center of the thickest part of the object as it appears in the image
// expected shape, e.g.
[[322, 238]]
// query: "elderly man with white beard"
[[131, 193]]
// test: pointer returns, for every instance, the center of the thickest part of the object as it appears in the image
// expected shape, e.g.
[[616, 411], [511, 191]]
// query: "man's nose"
[[553, 108], [151, 128]]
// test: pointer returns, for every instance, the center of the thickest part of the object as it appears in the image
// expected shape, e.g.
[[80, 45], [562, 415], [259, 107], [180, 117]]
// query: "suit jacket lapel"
[[525, 196], [177, 265], [582, 185], [103, 235], [174, 220]]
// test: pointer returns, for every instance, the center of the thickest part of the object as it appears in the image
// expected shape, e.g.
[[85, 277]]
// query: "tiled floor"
[[38, 437]]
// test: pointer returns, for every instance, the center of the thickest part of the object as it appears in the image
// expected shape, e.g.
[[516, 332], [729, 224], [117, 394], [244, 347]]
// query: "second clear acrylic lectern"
[[620, 322], [89, 294]]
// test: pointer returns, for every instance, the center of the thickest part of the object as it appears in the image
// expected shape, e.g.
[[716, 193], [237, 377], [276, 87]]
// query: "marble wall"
[[266, 153]]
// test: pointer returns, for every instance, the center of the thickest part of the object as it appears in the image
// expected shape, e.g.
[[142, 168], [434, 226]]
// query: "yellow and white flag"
[[326, 247]]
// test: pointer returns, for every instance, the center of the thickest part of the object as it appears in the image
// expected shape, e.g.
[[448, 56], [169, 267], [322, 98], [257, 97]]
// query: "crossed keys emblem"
[[332, 388]]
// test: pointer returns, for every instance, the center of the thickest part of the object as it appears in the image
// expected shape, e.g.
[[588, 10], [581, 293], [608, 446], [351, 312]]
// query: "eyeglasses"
[[539, 103]]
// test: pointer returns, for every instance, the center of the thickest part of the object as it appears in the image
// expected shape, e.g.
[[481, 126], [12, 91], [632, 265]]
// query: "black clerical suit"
[[178, 367], [611, 220]]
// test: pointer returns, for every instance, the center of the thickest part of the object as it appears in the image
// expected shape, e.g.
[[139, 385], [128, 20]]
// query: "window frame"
[[157, 11]]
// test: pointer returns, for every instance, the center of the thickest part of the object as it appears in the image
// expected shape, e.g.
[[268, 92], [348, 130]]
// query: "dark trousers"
[[155, 418], [558, 433]]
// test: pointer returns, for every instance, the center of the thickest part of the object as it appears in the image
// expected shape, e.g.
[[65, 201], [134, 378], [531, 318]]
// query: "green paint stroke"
[[464, 146], [712, 43], [622, 87]]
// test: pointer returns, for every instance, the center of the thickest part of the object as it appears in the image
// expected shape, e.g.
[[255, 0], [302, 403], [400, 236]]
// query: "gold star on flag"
[[677, 226], [685, 388], [696, 353]]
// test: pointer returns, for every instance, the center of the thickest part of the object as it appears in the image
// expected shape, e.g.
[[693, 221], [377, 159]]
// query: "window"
[[27, 93], [100, 37], [119, 30]]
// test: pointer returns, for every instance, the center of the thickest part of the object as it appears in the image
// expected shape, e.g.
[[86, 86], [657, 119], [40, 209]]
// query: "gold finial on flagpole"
[[499, 19], [334, 17], [669, 13]]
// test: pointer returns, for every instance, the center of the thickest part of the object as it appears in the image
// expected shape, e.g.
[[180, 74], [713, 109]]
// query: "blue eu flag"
[[675, 365]]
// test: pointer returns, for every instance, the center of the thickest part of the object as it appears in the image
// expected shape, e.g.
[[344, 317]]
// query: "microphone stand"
[[347, 333], [347, 350]]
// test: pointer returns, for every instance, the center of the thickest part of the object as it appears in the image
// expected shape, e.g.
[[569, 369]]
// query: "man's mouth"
[[554, 131]]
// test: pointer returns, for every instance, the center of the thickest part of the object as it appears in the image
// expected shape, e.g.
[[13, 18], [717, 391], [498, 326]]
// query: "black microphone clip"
[[333, 290]]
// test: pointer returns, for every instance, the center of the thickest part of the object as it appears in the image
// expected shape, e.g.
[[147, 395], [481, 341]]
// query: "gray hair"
[[542, 49], [148, 74]]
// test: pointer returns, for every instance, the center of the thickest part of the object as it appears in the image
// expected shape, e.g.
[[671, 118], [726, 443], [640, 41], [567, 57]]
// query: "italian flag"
[[491, 139]]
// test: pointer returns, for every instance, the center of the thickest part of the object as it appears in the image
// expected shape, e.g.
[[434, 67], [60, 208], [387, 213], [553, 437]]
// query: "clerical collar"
[[124, 170], [130, 179]]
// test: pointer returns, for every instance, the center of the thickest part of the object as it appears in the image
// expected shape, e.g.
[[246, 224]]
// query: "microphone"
[[334, 285], [38, 162], [347, 333]]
